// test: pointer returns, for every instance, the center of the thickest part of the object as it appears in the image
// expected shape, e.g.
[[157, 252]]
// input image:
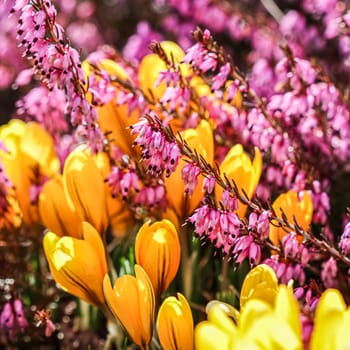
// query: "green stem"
[[186, 262]]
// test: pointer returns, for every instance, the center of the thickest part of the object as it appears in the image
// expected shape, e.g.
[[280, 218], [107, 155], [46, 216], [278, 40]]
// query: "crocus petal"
[[210, 337], [287, 309], [55, 212], [260, 283], [175, 324], [85, 190]]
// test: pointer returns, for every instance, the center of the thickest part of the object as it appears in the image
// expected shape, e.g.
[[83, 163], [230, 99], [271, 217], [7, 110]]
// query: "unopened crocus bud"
[[78, 265], [157, 250], [245, 173], [296, 207], [132, 302], [55, 212], [85, 189], [175, 324]]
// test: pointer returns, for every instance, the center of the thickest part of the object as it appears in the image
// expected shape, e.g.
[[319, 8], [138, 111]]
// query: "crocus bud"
[[55, 212], [296, 207], [78, 265], [132, 302], [246, 174], [85, 189], [175, 324], [157, 250]]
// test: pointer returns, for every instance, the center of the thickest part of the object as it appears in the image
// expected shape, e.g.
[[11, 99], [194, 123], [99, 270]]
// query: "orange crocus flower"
[[132, 302], [157, 250]]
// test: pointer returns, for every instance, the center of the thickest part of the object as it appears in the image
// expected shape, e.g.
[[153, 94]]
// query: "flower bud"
[[175, 324], [157, 250], [132, 302]]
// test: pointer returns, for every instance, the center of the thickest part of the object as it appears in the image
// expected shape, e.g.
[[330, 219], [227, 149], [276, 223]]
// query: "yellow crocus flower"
[[78, 265], [55, 212], [264, 310], [201, 140], [296, 207], [246, 173], [332, 322], [85, 189], [30, 158], [175, 324], [132, 302], [157, 250]]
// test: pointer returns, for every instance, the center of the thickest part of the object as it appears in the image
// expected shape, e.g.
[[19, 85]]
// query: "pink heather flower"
[[329, 273], [50, 328], [220, 79], [19, 314], [286, 270], [171, 77], [7, 317], [189, 174], [209, 184], [344, 243], [245, 247], [176, 97], [123, 182], [229, 202], [219, 226], [158, 153], [263, 224], [57, 63], [150, 196], [290, 245]]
